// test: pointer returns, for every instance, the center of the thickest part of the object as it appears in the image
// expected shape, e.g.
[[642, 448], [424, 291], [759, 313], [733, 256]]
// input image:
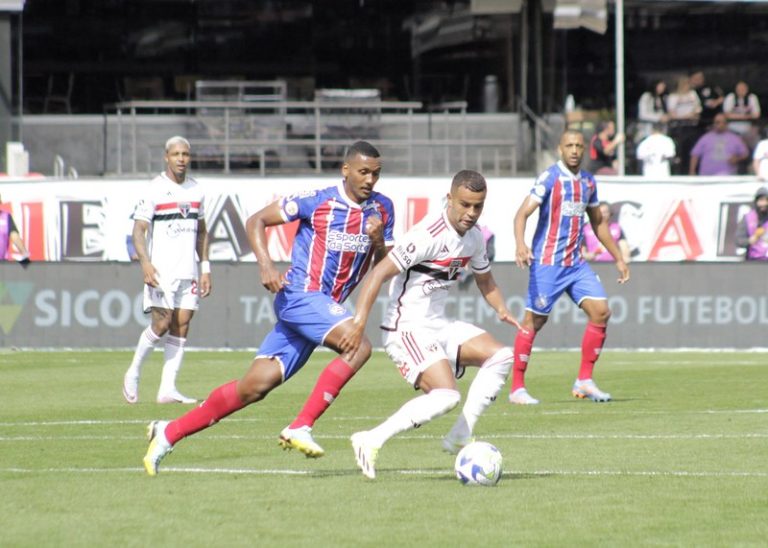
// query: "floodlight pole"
[[620, 120]]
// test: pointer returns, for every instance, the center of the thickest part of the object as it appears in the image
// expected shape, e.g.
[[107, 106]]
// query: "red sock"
[[328, 385], [591, 345], [221, 402], [523, 345]]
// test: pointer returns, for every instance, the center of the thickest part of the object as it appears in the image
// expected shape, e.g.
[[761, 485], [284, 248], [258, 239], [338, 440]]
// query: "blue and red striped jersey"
[[332, 252], [564, 198]]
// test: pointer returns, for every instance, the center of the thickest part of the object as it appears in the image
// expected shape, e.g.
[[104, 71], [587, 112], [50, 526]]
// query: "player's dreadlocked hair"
[[469, 179], [363, 148]]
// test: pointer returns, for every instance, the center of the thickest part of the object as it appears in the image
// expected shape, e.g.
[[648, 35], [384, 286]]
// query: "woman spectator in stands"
[[742, 109], [752, 231], [652, 109], [684, 109]]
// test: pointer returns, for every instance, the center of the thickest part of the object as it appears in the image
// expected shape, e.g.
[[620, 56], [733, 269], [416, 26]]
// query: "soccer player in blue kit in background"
[[562, 194], [343, 230]]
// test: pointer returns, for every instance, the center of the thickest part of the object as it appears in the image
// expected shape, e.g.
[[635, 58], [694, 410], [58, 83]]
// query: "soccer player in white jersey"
[[429, 350], [170, 235]]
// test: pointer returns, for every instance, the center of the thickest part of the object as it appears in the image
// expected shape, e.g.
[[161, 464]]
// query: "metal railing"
[[300, 136]]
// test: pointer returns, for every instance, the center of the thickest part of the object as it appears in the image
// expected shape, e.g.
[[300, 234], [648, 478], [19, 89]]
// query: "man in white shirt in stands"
[[170, 235], [760, 160], [656, 152]]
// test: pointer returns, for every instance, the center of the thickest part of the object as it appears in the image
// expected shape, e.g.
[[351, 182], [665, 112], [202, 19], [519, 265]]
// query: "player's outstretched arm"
[[256, 229], [523, 254], [493, 296], [368, 292]]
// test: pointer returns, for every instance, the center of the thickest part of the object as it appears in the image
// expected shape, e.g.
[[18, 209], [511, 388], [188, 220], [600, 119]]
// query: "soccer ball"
[[478, 463]]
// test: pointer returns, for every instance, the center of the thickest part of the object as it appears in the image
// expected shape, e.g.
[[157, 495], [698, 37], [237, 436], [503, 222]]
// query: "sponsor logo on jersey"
[[344, 241], [573, 209], [402, 254], [432, 285], [175, 229], [540, 190]]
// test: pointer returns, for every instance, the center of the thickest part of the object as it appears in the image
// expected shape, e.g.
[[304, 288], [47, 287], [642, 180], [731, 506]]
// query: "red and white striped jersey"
[[430, 257], [173, 211]]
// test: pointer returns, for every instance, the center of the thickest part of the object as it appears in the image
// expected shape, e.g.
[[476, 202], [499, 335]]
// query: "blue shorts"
[[547, 283], [303, 322]]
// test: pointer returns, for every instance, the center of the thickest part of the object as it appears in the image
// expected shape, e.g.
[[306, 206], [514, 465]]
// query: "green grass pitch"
[[679, 458]]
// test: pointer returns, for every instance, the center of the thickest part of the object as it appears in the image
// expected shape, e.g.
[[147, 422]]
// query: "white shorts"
[[414, 351], [177, 294]]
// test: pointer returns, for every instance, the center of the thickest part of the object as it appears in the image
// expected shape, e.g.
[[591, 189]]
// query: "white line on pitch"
[[603, 409], [508, 436], [417, 472]]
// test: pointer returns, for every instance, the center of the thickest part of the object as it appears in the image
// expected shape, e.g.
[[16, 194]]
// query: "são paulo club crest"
[[184, 208]]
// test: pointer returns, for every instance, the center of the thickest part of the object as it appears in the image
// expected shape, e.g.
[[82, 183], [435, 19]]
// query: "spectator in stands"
[[657, 152], [9, 236], [652, 109], [752, 232], [593, 250], [684, 108], [602, 149], [760, 160], [719, 151], [710, 97], [742, 109]]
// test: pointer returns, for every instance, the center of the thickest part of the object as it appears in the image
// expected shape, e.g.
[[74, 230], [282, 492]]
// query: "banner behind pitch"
[[665, 305]]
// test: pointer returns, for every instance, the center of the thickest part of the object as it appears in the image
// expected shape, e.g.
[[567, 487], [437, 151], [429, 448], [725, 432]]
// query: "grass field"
[[680, 458]]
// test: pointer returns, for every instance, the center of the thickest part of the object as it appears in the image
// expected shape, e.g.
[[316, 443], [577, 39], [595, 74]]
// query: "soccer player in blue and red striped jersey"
[[562, 194], [343, 229]]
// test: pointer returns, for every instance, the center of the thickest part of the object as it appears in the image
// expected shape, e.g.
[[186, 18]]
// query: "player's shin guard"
[[482, 392], [591, 346], [523, 346], [174, 354], [416, 412], [223, 401], [333, 378]]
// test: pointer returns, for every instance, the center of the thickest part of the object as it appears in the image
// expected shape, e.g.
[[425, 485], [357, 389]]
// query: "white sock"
[[147, 342], [482, 392], [174, 353], [414, 413]]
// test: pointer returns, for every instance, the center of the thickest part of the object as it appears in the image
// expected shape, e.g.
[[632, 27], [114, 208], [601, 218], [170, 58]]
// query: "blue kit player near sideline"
[[562, 194], [343, 230]]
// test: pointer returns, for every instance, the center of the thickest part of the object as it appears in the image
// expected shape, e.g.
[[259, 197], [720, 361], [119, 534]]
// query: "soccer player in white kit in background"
[[429, 350], [170, 235]]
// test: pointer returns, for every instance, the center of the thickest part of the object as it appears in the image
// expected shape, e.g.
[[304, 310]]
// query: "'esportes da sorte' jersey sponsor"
[[331, 252], [564, 198], [430, 257], [173, 211]]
